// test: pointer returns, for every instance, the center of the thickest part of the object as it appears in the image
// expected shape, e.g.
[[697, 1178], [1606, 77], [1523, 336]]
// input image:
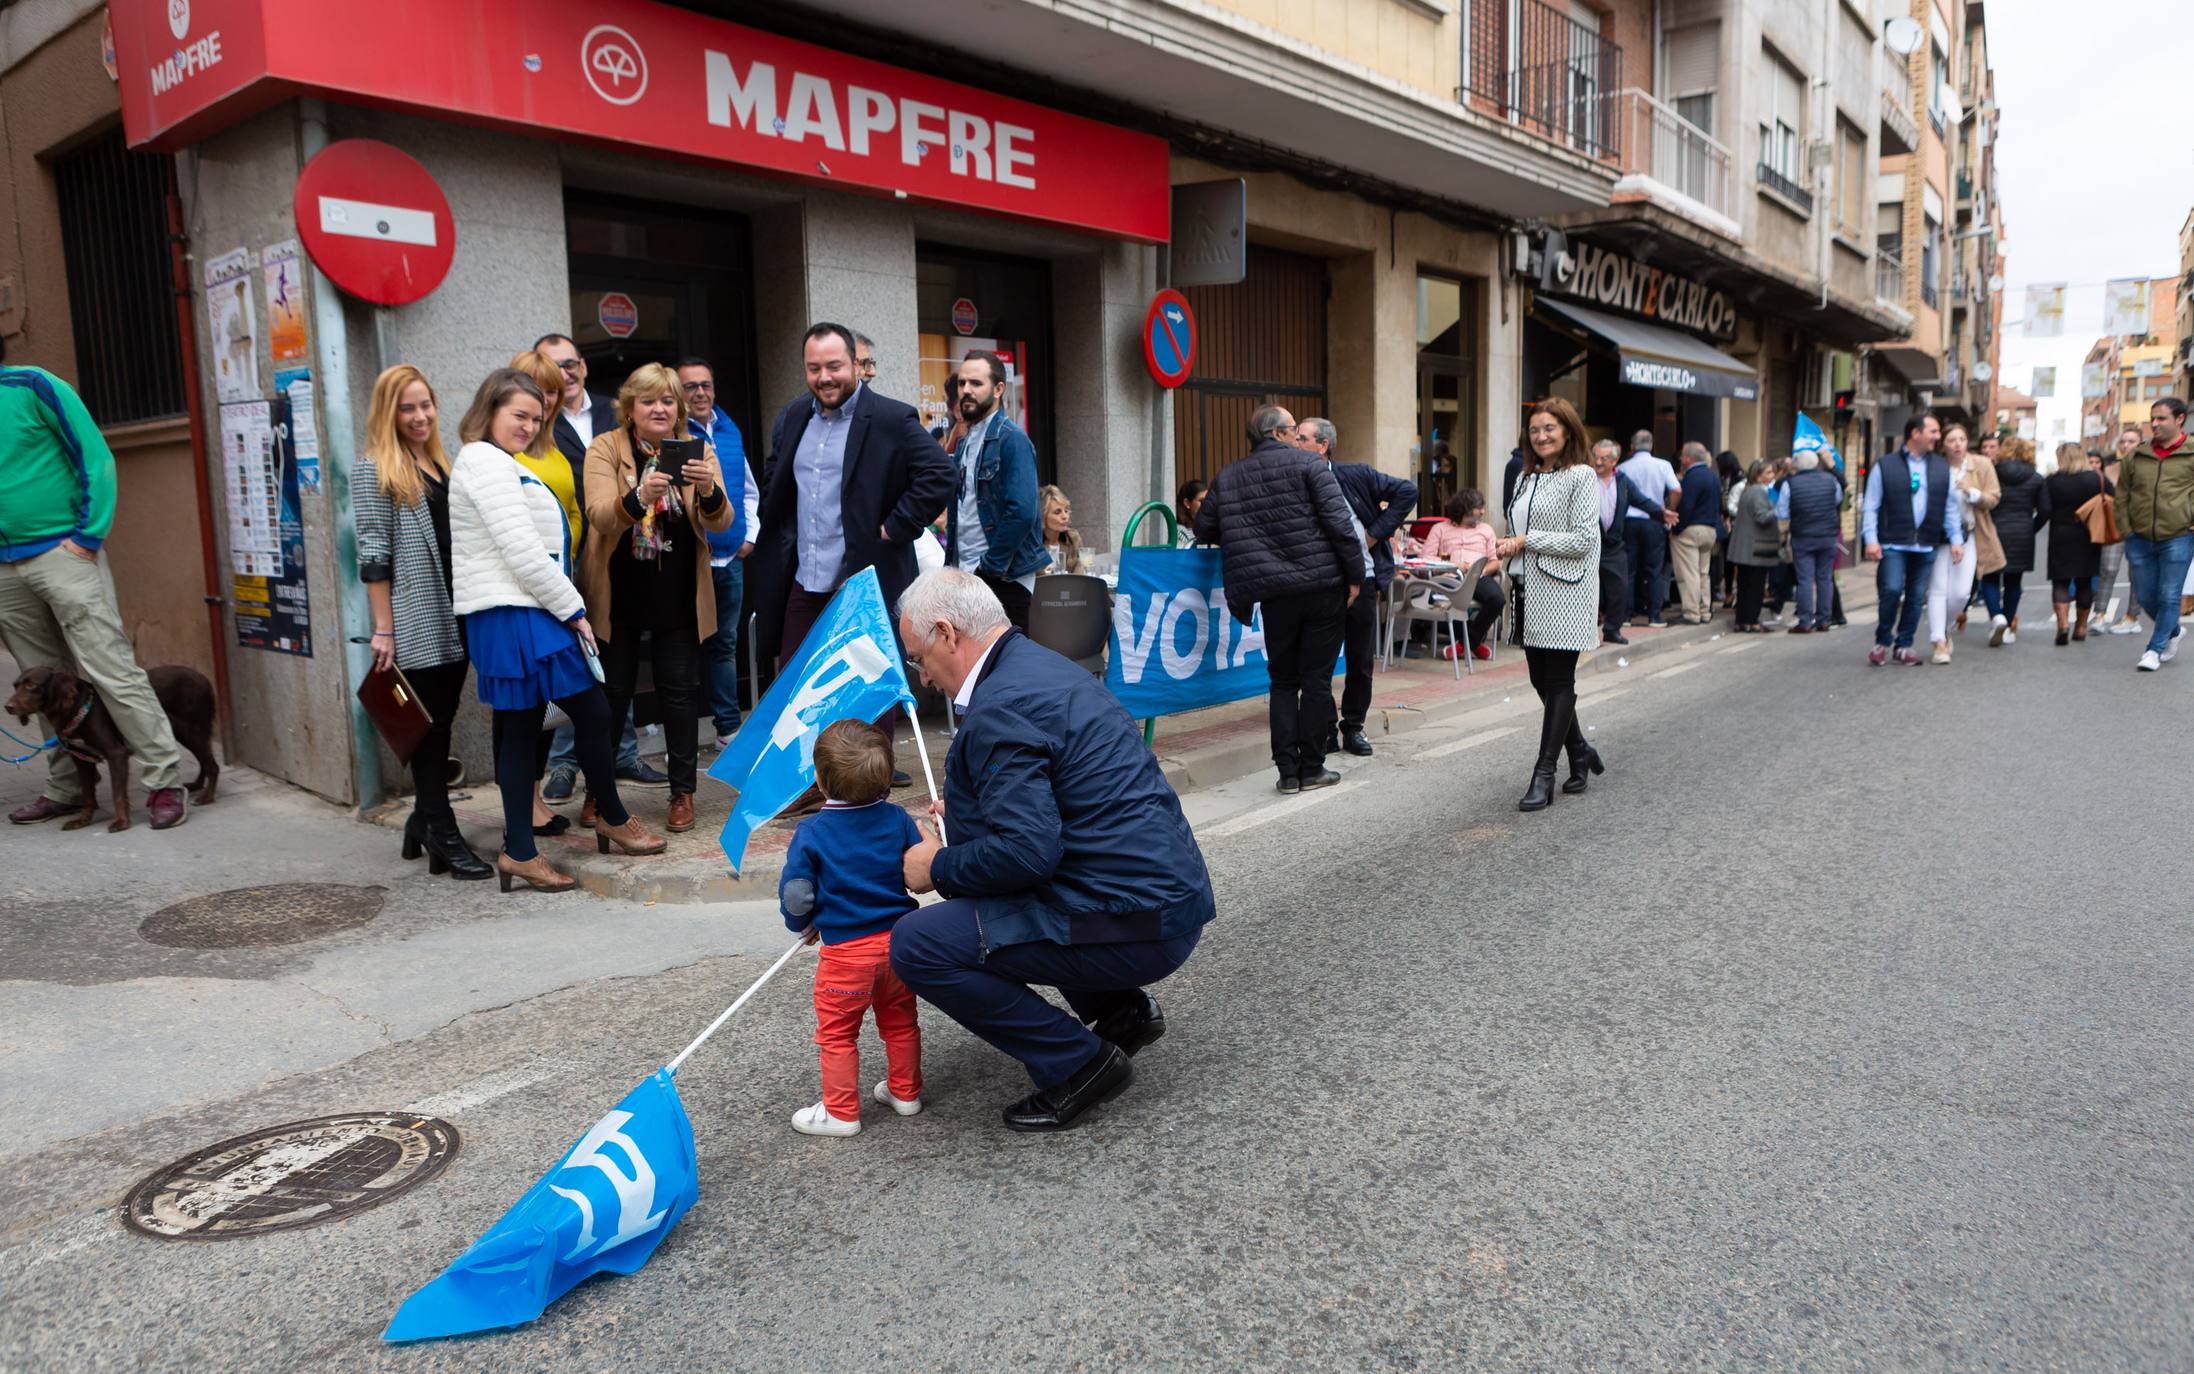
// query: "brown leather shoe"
[[630, 838], [681, 813], [537, 873], [44, 809], [168, 808], [588, 813]]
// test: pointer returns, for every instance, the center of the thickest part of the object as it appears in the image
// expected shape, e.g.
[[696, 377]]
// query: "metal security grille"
[[114, 238]]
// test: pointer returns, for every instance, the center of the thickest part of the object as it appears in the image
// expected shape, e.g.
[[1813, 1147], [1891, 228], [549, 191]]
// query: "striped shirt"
[[397, 545]]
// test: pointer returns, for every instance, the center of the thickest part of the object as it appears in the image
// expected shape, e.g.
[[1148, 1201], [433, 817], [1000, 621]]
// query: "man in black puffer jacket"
[[1287, 543]]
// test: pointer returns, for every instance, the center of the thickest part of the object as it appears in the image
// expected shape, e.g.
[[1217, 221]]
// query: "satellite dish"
[[1903, 36], [1996, 283], [1982, 372]]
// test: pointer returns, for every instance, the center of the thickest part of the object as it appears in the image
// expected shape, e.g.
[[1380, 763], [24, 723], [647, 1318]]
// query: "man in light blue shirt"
[[1647, 535], [1908, 514], [727, 549]]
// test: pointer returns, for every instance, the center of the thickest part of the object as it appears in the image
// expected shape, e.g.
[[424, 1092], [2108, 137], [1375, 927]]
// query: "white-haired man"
[[1085, 878]]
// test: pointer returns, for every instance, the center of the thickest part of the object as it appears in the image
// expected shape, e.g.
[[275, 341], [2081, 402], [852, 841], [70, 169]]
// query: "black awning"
[[1653, 355]]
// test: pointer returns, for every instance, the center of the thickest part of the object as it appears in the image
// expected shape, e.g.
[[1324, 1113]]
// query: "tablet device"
[[673, 455]]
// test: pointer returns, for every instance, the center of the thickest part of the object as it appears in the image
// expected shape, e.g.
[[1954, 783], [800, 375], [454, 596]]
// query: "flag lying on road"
[[848, 667], [603, 1209]]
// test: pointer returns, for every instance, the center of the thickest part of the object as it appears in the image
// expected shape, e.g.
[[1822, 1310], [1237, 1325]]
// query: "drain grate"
[[247, 917], [301, 1174]]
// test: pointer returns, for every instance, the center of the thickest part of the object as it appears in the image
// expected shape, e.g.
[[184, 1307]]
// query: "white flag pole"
[[717, 1024], [928, 778]]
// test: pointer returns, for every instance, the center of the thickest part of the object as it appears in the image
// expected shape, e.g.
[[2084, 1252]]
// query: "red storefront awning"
[[643, 76]]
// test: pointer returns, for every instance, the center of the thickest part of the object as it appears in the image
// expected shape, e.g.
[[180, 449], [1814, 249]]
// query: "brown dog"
[[184, 694]]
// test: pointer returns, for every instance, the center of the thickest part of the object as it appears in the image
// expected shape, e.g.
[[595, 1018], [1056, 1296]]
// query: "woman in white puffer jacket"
[[526, 625]]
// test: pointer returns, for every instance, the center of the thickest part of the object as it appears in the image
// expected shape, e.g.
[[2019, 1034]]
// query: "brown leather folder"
[[395, 710]]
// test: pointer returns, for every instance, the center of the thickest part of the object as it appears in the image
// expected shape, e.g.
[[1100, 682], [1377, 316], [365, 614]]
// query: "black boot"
[[448, 853], [1553, 733], [415, 836], [1583, 758]]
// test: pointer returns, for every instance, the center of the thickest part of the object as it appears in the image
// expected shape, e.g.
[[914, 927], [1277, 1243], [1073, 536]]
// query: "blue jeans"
[[1901, 581], [563, 752], [1815, 562], [720, 651], [938, 951], [2159, 575]]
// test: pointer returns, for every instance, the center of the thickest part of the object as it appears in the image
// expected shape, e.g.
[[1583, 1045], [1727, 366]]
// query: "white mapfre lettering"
[[186, 62], [814, 110]]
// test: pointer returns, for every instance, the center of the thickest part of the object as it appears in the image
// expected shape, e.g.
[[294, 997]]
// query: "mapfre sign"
[[647, 78], [1598, 276]]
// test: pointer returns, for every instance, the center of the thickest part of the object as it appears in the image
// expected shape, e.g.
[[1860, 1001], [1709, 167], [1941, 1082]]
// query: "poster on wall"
[[2094, 380], [294, 384], [253, 487], [234, 327], [284, 270], [2026, 428], [272, 608], [2045, 383]]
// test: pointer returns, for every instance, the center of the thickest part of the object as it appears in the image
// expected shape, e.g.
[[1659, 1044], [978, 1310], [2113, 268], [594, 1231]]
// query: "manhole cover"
[[301, 1174], [245, 917]]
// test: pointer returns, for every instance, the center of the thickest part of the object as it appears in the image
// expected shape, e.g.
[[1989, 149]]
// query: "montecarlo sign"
[[1602, 277]]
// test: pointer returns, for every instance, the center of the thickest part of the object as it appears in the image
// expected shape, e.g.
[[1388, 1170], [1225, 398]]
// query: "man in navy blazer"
[[1618, 497], [1065, 859], [852, 482], [1380, 501]]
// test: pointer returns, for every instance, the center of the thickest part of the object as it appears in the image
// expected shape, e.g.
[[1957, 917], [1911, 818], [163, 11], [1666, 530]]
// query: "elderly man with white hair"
[[1065, 859], [1811, 501]]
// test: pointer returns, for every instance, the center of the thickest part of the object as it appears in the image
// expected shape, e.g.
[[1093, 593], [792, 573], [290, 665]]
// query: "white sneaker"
[[2171, 650], [2011, 636], [2150, 661], [2123, 627], [883, 1095], [1998, 627], [816, 1120]]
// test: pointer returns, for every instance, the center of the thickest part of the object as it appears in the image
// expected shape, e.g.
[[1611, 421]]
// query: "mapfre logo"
[[179, 18], [614, 65]]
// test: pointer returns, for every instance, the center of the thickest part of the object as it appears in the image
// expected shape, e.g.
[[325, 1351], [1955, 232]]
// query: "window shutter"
[[1694, 59]]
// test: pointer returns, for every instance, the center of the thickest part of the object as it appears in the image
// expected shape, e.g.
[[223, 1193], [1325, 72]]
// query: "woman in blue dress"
[[526, 625]]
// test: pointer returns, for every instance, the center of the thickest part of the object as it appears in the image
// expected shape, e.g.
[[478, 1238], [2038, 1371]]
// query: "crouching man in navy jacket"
[[1069, 863]]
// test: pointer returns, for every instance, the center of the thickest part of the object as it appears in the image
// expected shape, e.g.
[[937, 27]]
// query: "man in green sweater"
[[57, 597]]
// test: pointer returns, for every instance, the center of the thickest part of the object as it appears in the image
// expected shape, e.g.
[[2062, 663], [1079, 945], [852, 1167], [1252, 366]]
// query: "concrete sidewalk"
[[1198, 749]]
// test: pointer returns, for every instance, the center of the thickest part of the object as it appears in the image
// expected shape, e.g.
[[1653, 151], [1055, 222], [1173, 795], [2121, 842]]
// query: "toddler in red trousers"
[[844, 885]]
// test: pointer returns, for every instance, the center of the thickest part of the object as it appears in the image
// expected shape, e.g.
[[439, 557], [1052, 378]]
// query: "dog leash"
[[35, 749]]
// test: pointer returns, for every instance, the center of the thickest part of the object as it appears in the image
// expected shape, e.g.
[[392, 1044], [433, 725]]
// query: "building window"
[[1782, 130], [1931, 258], [1852, 176], [114, 240]]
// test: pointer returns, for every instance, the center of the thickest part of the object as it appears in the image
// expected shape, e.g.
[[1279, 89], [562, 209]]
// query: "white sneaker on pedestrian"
[[2150, 661], [2171, 650], [2011, 636], [883, 1095], [1998, 627], [817, 1120], [2123, 627], [1942, 652]]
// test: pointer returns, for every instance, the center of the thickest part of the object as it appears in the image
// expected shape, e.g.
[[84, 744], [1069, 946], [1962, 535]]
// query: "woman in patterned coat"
[[1556, 550]]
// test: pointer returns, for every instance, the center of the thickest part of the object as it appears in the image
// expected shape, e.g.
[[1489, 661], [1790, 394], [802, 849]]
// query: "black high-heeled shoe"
[[1581, 763], [448, 853], [415, 836], [557, 825]]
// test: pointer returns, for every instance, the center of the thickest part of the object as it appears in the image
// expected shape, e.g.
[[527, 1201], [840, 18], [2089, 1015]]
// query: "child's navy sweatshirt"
[[853, 855]]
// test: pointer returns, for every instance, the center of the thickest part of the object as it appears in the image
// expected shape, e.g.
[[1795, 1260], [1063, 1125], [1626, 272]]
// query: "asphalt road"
[[1843, 1025]]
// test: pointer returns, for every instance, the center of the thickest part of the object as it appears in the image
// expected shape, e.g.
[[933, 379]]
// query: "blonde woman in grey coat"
[[1556, 551]]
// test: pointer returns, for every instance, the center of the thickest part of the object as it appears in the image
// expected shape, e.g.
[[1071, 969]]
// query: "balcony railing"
[[1786, 188], [1965, 186], [1927, 288], [1889, 271], [1662, 145], [1935, 120], [1533, 65]]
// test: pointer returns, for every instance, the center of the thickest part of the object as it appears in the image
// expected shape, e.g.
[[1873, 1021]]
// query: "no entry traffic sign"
[[618, 314], [1169, 338], [374, 220], [963, 316]]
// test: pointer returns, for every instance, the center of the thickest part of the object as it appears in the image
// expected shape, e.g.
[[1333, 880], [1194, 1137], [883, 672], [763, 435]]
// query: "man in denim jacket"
[[992, 526]]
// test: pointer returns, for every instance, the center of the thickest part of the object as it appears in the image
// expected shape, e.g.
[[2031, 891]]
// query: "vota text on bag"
[[800, 108]]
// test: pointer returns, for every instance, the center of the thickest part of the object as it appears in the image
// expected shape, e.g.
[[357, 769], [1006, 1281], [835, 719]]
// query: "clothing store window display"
[[1950, 585], [1556, 549]]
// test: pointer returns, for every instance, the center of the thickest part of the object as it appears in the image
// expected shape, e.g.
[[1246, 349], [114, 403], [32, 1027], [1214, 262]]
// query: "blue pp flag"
[[848, 667], [603, 1209], [1806, 437]]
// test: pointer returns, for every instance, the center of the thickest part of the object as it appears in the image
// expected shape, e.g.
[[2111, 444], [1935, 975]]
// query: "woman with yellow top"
[[645, 570]]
